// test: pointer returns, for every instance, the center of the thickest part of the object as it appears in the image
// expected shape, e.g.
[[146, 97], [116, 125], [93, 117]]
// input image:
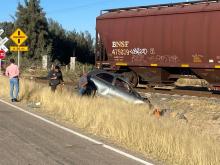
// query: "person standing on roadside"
[[12, 71], [55, 78]]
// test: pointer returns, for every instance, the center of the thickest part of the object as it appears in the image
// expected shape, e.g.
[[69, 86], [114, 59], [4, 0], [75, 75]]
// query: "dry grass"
[[68, 75], [126, 124], [201, 113]]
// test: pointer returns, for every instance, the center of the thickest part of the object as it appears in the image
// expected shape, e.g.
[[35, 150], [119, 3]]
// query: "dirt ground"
[[200, 112]]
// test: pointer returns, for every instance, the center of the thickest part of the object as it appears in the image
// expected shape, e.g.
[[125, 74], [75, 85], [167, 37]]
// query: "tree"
[[7, 27], [67, 44], [62, 46], [85, 47], [47, 37], [31, 18]]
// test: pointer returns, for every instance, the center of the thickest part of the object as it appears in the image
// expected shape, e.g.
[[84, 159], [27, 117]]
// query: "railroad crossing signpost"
[[2, 54], [18, 37], [3, 48]]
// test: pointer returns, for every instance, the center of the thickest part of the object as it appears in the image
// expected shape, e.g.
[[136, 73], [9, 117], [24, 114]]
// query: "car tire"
[[132, 78]]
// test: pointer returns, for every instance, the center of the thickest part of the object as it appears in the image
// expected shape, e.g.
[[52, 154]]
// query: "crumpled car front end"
[[108, 90]]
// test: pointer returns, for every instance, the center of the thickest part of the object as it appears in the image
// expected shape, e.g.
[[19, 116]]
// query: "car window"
[[107, 77], [122, 84]]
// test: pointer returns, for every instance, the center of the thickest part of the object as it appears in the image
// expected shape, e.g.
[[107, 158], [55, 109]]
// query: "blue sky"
[[75, 14]]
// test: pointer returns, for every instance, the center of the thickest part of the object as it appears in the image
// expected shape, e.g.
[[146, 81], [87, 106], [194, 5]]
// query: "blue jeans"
[[14, 83], [82, 91]]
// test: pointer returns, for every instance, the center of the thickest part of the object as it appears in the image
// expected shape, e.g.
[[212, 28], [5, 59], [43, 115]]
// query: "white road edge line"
[[79, 134]]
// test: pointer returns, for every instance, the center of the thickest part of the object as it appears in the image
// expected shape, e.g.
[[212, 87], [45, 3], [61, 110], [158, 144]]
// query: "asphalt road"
[[26, 140]]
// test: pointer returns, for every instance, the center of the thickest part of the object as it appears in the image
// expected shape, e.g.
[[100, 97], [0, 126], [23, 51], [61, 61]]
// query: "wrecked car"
[[112, 85]]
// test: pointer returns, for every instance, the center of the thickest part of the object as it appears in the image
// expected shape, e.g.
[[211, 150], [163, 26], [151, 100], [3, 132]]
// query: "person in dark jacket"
[[55, 78]]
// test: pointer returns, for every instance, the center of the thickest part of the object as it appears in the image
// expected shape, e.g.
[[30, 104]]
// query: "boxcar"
[[158, 43]]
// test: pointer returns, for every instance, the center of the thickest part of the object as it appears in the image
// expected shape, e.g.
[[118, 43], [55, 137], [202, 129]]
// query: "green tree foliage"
[[48, 37], [8, 27], [62, 46], [85, 47], [68, 44], [31, 18]]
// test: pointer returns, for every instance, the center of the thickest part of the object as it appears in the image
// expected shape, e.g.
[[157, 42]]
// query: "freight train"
[[159, 43]]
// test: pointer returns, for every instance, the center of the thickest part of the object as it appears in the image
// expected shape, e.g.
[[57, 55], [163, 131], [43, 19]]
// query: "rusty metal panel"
[[211, 75], [150, 74], [179, 36]]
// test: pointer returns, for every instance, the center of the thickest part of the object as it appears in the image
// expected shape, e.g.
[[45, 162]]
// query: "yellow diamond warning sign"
[[18, 37]]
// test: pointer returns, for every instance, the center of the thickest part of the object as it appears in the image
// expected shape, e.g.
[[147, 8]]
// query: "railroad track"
[[147, 90], [179, 92]]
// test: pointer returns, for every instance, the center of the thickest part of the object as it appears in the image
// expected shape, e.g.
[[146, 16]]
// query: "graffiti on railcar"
[[197, 58], [164, 58]]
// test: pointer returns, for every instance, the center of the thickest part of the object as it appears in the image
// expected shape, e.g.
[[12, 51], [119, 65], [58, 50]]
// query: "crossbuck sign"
[[3, 48], [3, 41]]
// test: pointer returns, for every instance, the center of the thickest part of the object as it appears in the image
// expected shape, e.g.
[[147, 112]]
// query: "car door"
[[122, 89]]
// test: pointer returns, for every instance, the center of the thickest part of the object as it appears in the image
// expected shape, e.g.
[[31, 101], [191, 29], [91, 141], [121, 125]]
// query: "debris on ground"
[[199, 112], [194, 82], [159, 112], [34, 104]]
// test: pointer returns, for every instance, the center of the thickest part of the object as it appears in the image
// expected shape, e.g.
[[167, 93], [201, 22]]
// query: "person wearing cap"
[[12, 71]]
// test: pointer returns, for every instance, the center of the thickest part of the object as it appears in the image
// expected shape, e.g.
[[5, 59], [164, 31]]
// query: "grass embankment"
[[201, 113], [128, 125]]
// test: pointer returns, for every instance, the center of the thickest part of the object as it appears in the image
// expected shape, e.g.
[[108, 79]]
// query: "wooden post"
[[0, 66], [44, 62], [72, 63], [18, 58]]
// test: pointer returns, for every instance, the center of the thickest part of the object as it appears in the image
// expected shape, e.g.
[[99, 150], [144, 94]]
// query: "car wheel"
[[132, 78]]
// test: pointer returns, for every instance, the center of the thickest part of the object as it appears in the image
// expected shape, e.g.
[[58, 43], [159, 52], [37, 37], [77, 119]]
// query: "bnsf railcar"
[[159, 43]]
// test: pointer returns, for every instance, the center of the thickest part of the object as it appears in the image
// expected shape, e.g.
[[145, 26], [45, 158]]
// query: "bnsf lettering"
[[120, 44]]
